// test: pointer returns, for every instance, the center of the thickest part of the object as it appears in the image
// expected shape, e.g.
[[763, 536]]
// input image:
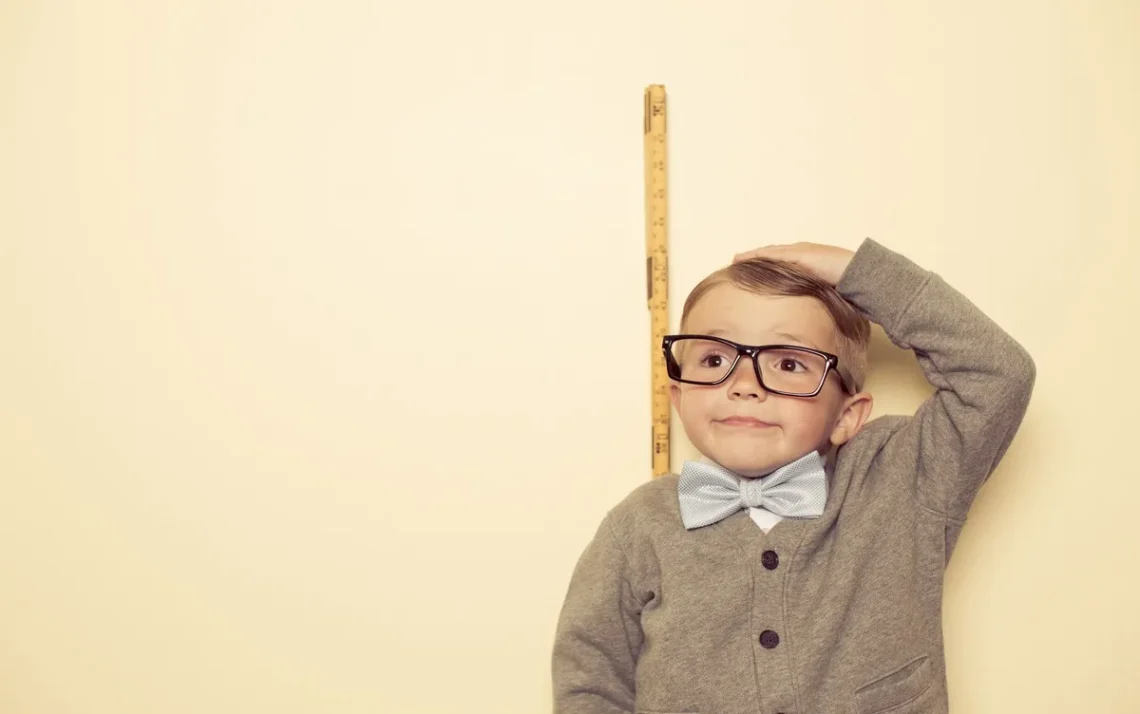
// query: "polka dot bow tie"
[[709, 492]]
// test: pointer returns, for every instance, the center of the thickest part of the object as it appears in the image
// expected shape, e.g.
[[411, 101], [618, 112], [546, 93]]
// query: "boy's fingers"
[[755, 253], [768, 251]]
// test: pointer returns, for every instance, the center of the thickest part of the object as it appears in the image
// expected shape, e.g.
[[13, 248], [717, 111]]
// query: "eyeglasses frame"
[[753, 353]]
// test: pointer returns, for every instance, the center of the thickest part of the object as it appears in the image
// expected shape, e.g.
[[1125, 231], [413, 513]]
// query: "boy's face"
[[791, 426]]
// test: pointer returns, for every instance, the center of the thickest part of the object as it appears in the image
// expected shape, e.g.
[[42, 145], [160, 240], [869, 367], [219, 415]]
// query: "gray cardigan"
[[837, 614]]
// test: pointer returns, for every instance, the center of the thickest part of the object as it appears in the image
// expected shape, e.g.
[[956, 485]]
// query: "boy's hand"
[[826, 262]]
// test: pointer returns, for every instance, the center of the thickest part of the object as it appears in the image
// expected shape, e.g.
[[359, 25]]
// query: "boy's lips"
[[744, 421]]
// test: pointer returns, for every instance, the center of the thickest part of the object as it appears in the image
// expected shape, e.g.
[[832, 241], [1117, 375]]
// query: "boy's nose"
[[743, 383]]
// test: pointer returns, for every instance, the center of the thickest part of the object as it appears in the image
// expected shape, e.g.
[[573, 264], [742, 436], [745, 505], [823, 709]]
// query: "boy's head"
[[744, 426]]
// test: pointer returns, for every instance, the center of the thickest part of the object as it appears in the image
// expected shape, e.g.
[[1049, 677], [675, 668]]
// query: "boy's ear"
[[856, 410], [674, 394]]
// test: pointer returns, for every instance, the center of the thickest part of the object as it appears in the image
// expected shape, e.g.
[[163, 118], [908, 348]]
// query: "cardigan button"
[[769, 639], [770, 559]]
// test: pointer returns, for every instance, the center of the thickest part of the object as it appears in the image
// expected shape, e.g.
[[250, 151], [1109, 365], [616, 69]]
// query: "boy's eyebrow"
[[784, 335], [794, 338]]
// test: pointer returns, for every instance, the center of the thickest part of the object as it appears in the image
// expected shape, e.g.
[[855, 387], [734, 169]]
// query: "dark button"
[[769, 639], [770, 559]]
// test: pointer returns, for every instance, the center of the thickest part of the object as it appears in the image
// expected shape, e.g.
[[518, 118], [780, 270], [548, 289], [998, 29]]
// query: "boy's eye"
[[787, 364], [794, 362], [714, 360]]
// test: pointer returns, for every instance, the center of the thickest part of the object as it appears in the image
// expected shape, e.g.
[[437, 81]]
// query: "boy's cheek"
[[692, 400], [808, 424]]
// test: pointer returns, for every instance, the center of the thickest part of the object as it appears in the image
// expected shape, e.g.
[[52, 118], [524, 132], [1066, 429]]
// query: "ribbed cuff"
[[881, 282]]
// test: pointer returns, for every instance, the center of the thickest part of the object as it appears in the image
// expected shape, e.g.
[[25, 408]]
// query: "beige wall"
[[324, 344]]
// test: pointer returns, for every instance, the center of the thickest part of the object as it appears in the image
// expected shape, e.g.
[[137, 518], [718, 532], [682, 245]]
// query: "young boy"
[[782, 574]]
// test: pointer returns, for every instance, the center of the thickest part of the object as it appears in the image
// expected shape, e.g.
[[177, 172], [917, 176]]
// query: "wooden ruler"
[[657, 269]]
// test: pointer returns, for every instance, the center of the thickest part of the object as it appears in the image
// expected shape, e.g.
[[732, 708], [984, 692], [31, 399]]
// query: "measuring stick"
[[657, 269]]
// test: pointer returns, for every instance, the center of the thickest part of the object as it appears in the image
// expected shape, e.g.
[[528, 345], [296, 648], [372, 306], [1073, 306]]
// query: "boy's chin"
[[748, 463], [747, 466]]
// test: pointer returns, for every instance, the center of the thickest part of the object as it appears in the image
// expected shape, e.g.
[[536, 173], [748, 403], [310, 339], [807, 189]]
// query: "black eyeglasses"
[[791, 370]]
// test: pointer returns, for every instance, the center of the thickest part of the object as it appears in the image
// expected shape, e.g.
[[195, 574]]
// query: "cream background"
[[325, 341]]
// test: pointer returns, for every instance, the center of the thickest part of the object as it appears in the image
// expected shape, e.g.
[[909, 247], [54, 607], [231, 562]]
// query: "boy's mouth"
[[745, 422]]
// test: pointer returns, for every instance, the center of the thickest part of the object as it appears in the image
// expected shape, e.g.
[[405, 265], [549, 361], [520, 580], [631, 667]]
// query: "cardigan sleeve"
[[598, 636], [982, 377]]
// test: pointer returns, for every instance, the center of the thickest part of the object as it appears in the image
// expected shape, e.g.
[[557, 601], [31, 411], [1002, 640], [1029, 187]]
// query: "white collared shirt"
[[765, 518]]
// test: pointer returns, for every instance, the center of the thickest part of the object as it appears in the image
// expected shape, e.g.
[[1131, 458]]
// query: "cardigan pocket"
[[902, 686]]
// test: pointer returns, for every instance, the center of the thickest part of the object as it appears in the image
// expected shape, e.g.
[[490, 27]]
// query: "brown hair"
[[765, 276]]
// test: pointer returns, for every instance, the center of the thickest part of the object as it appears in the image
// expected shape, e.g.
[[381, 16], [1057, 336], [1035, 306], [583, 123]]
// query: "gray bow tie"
[[710, 492]]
